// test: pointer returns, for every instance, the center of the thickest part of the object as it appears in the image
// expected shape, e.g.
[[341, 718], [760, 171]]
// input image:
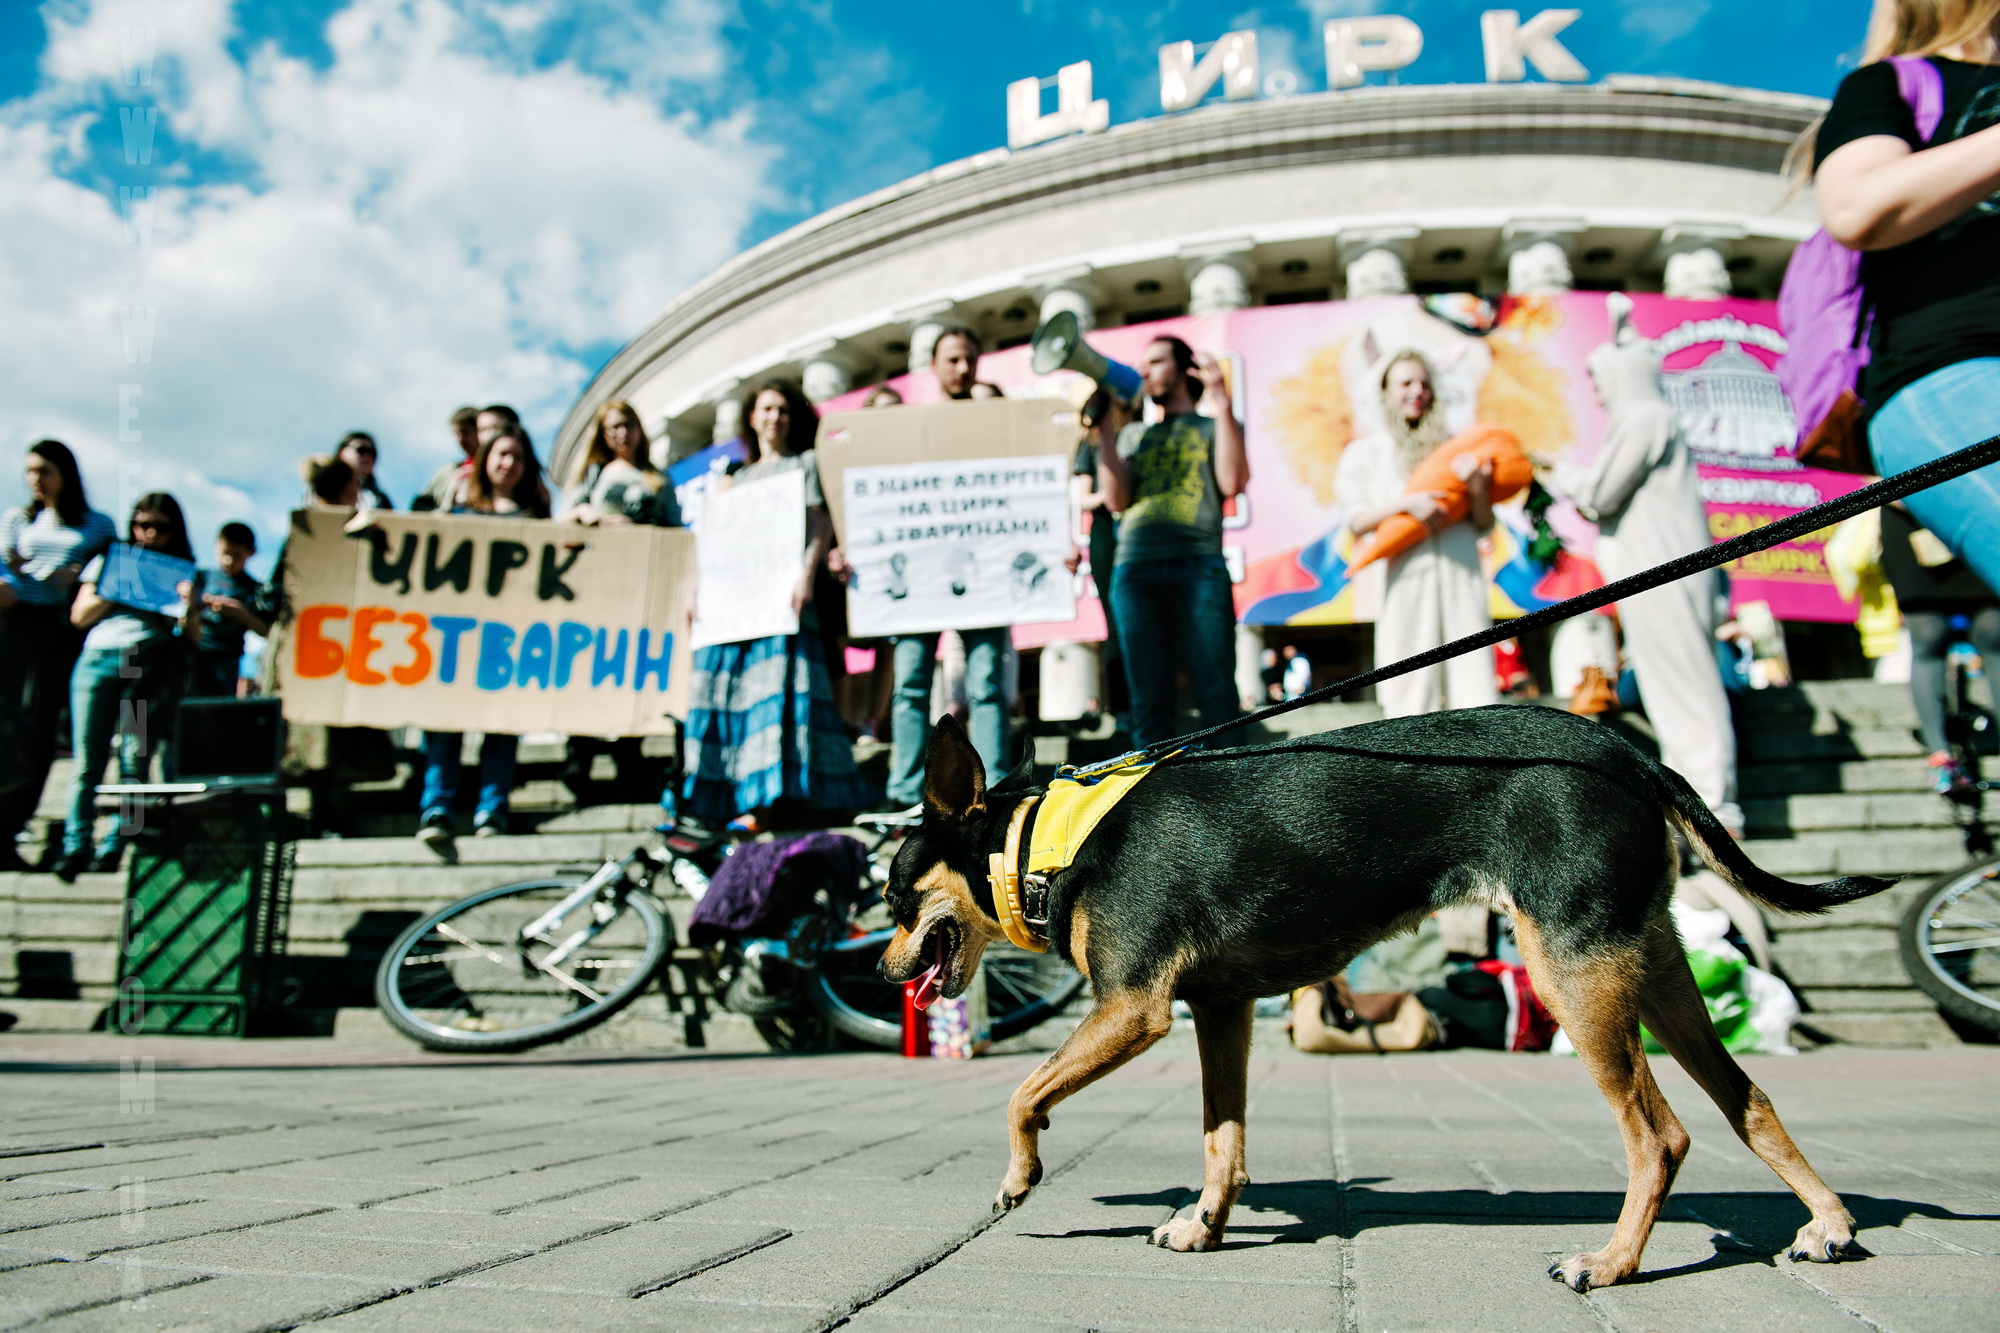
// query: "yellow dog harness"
[[1075, 803]]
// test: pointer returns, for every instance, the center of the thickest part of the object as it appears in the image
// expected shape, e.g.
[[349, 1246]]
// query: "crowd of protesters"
[[764, 737]]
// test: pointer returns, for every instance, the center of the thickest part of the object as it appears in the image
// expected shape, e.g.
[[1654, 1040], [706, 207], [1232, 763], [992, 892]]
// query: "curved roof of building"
[[1731, 135]]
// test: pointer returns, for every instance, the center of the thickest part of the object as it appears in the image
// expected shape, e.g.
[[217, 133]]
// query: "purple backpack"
[[1819, 308]]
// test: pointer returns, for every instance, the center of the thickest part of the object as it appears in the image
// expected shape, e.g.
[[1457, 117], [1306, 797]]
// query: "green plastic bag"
[[1720, 979]]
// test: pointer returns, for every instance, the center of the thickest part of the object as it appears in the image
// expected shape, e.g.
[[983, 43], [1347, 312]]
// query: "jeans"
[[909, 708], [38, 648], [105, 694], [1930, 636], [496, 775], [1941, 413], [1173, 615]]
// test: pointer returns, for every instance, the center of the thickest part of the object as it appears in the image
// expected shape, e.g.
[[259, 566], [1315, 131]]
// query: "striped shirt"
[[37, 546]]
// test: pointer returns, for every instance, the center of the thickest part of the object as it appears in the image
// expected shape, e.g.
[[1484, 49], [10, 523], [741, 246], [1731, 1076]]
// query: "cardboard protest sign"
[[954, 515], [752, 546], [485, 624], [143, 579]]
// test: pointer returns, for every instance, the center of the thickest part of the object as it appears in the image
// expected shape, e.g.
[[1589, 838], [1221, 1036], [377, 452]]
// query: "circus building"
[[1302, 236]]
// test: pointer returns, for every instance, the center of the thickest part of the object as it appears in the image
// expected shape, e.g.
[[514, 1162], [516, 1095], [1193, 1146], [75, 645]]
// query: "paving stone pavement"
[[280, 1184]]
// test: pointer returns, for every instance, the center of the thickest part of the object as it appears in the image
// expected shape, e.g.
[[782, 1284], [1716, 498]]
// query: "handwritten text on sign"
[[478, 624], [957, 545]]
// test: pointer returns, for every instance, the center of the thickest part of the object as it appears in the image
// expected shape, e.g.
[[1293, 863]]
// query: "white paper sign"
[[751, 546], [957, 544]]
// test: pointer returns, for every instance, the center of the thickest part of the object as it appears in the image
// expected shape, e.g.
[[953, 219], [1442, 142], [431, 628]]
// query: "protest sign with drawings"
[[752, 542], [955, 515], [485, 624]]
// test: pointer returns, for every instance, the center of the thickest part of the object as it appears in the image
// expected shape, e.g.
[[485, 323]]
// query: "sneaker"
[[71, 864], [492, 828], [436, 830], [107, 861], [1946, 775]]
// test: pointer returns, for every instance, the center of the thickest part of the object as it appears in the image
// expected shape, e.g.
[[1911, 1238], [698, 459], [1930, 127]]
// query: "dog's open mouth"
[[941, 947]]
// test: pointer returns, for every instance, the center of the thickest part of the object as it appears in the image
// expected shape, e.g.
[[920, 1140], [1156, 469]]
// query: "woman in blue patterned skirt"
[[762, 729]]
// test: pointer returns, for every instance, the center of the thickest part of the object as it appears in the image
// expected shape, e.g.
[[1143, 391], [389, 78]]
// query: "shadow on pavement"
[[1751, 1227]]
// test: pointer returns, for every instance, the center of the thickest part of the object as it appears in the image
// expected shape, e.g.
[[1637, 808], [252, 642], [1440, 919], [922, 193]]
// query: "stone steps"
[[1833, 783]]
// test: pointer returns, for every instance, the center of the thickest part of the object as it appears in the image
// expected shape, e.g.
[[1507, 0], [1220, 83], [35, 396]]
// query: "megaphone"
[[1059, 345]]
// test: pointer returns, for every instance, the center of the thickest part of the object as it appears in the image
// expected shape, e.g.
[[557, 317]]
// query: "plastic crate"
[[208, 895]]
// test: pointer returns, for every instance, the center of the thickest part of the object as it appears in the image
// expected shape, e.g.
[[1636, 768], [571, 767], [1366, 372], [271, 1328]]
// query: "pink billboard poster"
[[1306, 383]]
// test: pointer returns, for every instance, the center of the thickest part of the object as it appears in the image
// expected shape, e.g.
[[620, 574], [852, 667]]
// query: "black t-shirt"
[[1102, 520], [1936, 299]]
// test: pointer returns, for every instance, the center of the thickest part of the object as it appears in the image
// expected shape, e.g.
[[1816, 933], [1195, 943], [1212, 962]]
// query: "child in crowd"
[[232, 604]]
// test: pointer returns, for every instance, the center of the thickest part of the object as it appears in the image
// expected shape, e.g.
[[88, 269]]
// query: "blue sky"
[[368, 212]]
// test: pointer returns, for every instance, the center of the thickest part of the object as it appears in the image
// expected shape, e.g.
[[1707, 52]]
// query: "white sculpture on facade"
[[1217, 285], [825, 378], [1377, 272], [1541, 269], [1697, 275]]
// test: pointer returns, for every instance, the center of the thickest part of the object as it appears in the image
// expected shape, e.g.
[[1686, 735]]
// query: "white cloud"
[[430, 219]]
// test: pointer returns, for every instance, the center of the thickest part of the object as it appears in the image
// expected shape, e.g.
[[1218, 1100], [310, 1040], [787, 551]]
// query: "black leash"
[[1824, 515]]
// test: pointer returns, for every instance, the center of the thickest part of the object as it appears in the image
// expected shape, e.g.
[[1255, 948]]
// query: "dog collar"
[[1008, 888]]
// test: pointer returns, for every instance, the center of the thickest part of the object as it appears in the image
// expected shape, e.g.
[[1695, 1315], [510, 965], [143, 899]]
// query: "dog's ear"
[[954, 779], [1020, 779]]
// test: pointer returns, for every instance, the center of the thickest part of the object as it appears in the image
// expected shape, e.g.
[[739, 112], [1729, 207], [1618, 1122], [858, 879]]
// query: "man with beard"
[[1170, 591], [1435, 591]]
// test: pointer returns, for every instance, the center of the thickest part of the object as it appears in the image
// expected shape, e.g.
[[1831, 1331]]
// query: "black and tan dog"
[[1232, 874]]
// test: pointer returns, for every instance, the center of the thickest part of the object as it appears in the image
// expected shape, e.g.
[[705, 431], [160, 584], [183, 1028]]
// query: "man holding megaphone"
[[1167, 482]]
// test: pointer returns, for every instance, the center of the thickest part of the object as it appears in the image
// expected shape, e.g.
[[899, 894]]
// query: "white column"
[[826, 371], [1376, 261], [728, 420], [1539, 269], [926, 322], [1700, 274], [1219, 281], [1538, 254], [1695, 257], [1072, 289]]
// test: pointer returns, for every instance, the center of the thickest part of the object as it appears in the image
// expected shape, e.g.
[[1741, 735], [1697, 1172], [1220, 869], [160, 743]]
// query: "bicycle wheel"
[[1950, 940], [470, 977], [1022, 989]]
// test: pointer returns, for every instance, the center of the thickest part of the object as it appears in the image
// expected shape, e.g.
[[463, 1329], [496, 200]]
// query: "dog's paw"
[[1825, 1243], [1014, 1189], [1582, 1272], [1185, 1234]]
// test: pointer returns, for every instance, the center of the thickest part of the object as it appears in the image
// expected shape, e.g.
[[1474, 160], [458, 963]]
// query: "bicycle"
[[1950, 936], [541, 960]]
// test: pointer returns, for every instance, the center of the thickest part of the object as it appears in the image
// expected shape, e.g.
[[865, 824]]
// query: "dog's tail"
[[1725, 857]]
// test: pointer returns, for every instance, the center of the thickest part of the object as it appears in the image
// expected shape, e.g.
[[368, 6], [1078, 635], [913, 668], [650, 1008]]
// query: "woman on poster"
[[1436, 591]]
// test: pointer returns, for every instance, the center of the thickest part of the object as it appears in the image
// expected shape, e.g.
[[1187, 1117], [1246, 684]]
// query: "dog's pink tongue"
[[929, 985]]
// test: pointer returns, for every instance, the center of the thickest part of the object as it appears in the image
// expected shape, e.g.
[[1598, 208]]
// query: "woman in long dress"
[[762, 728]]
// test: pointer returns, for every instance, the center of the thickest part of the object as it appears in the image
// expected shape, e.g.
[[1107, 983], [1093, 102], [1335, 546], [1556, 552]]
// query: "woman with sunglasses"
[[124, 671], [358, 450], [44, 545]]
